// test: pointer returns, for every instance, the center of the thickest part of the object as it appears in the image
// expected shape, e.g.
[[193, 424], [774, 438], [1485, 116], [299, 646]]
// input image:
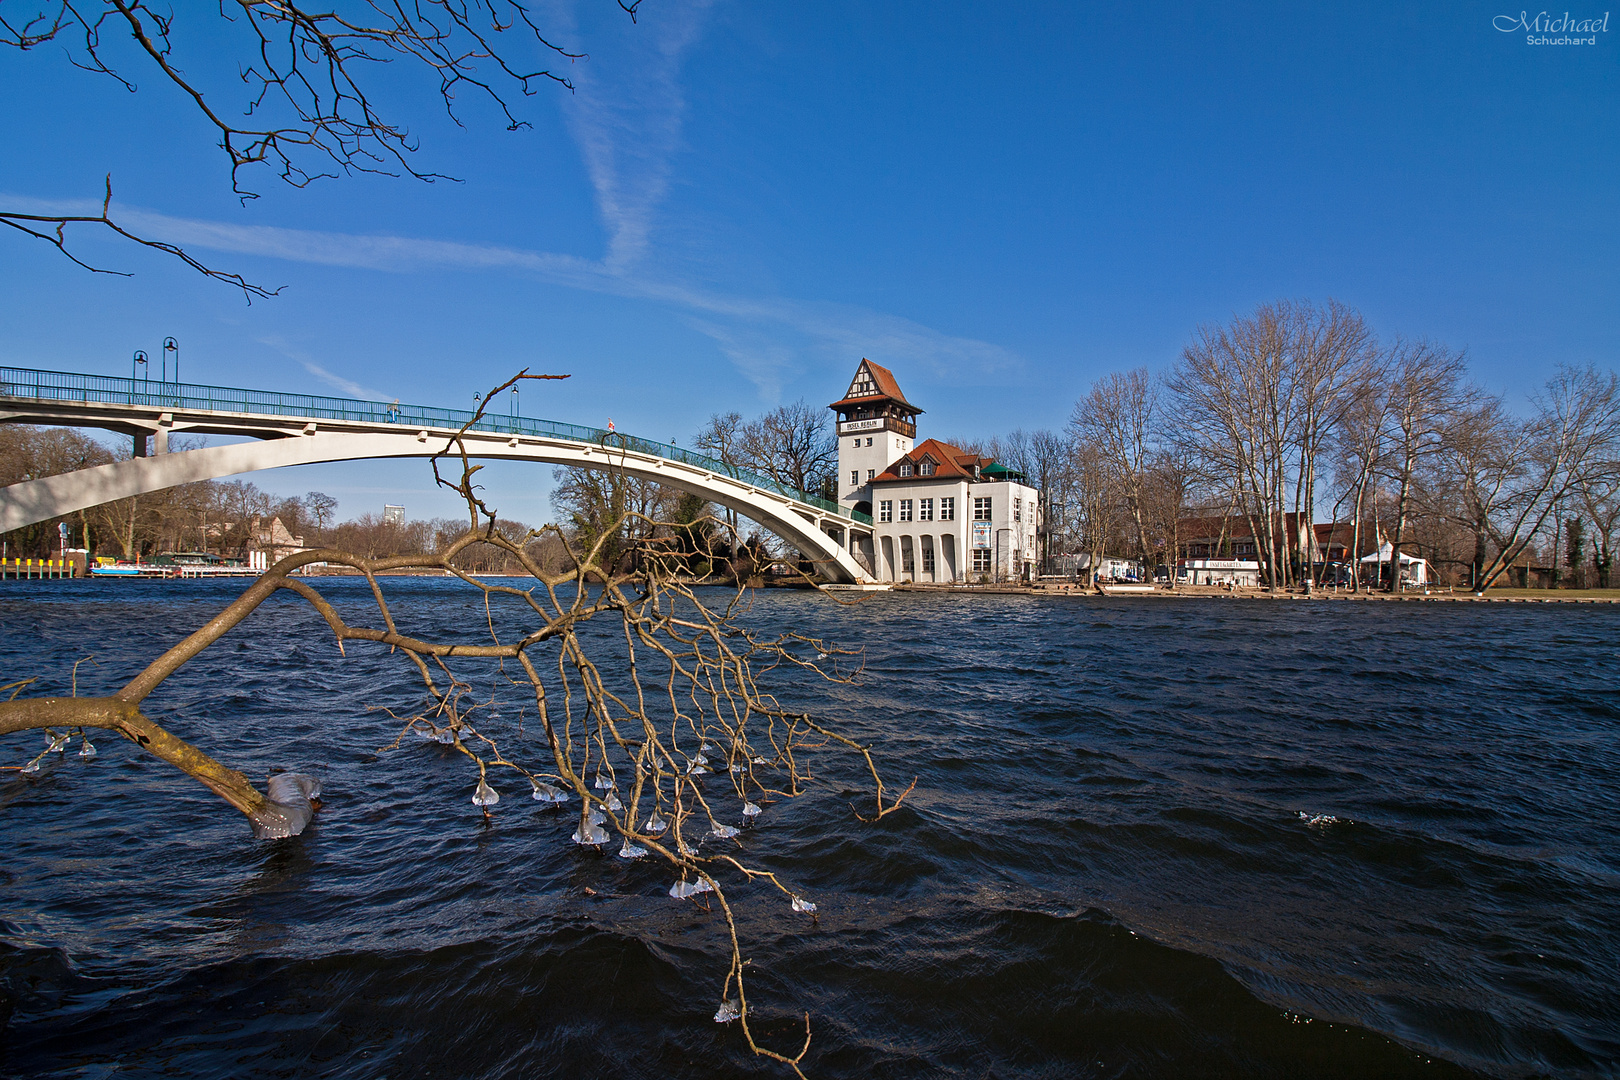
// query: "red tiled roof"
[[887, 388], [949, 462]]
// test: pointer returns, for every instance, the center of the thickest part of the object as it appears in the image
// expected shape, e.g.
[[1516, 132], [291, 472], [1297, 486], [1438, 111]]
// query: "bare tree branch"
[[308, 113]]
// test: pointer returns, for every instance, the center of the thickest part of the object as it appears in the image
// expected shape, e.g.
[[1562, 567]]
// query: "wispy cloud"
[[337, 382], [626, 118], [353, 389], [626, 115], [767, 338]]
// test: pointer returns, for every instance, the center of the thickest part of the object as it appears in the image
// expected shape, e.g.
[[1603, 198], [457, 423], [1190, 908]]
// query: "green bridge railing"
[[110, 390]]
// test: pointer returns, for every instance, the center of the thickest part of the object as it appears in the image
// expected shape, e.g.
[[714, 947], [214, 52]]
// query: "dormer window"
[[927, 467], [905, 468]]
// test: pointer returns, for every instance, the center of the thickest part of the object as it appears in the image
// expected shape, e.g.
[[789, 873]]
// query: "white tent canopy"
[[1412, 569]]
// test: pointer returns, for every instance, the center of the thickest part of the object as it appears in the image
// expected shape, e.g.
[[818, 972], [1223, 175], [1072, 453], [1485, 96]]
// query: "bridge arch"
[[820, 535]]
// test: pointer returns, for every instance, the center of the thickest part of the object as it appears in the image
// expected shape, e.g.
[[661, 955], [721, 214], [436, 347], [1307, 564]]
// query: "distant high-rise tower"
[[876, 425], [393, 515]]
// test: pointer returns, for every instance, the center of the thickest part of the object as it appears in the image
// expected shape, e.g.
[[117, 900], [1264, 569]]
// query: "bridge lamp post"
[[515, 411], [138, 361], [170, 345]]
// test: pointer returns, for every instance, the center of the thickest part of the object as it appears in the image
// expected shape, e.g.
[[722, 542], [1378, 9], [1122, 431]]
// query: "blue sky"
[[739, 201]]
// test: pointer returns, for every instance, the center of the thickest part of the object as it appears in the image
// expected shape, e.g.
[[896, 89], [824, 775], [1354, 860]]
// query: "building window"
[[854, 478], [905, 468], [1018, 509], [927, 468], [868, 442], [857, 442], [908, 564], [886, 510], [925, 509], [928, 556], [870, 472], [947, 508], [981, 508], [981, 560], [905, 509]]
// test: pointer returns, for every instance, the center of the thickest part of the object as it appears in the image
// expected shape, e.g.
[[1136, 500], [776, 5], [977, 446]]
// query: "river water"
[[1149, 838]]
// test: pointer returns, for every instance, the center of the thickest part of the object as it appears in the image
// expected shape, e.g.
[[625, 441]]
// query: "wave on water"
[[1323, 840]]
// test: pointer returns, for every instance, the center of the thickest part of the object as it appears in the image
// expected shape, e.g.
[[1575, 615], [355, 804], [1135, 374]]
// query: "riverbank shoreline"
[[1205, 592]]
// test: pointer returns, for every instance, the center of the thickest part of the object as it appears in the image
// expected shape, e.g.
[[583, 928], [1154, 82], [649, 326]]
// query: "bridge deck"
[[97, 397]]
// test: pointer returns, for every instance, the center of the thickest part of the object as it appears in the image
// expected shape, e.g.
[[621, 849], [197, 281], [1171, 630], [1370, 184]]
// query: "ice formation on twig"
[[681, 890], [548, 793], [484, 795], [590, 833]]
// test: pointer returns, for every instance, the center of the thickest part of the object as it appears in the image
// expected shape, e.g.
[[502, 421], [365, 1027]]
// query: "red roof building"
[[939, 514]]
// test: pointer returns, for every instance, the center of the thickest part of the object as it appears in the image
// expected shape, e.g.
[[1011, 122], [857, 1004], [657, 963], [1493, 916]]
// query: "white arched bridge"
[[302, 429]]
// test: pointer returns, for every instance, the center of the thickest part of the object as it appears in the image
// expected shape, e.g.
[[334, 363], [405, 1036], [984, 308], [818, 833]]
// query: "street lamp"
[[139, 360], [171, 346], [515, 412]]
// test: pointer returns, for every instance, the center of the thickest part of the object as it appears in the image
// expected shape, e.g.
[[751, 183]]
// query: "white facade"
[[865, 448], [989, 532], [1242, 573]]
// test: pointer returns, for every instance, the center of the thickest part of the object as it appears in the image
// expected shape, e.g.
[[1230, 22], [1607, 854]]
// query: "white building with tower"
[[939, 513]]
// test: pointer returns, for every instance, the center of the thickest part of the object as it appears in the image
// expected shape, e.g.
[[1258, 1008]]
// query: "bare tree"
[[1357, 445], [1118, 420], [1572, 442], [794, 445], [1481, 467], [1231, 405], [1096, 491], [1050, 459], [1168, 485], [606, 507], [1600, 497], [1335, 366], [721, 440], [1427, 385], [320, 506]]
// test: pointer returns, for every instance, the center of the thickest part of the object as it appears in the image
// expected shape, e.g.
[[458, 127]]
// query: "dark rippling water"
[[1150, 838]]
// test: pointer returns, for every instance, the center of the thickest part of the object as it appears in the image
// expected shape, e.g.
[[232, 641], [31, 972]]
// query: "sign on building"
[[981, 534]]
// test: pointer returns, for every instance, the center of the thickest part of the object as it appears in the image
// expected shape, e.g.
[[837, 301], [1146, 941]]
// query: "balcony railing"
[[62, 386]]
